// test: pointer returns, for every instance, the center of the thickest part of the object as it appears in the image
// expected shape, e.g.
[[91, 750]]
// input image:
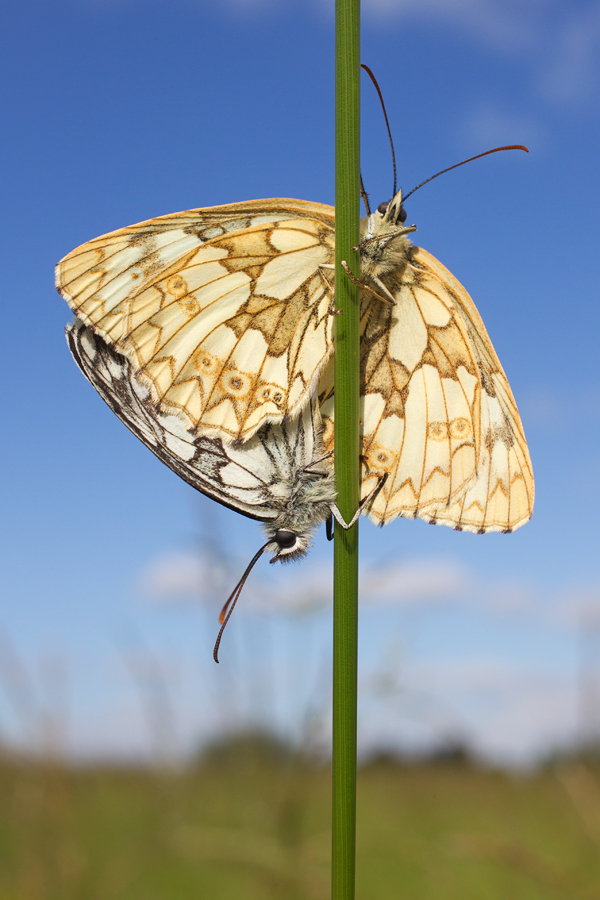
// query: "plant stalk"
[[346, 441]]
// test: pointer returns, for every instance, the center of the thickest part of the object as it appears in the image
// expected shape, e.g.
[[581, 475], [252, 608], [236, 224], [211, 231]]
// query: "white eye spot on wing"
[[176, 286], [438, 431], [236, 383], [460, 429]]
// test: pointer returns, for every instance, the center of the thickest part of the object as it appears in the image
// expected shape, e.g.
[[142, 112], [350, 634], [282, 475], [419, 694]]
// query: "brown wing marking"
[[250, 358]]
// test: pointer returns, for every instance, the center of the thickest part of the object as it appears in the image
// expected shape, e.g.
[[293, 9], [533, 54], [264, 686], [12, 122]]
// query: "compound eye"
[[383, 207], [401, 215], [285, 539]]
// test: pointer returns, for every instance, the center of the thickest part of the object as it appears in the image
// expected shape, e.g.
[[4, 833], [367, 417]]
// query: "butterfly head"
[[383, 239], [288, 545], [392, 211], [308, 506]]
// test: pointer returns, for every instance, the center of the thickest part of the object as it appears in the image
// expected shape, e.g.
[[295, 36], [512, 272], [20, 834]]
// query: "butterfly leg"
[[316, 462], [386, 298], [339, 517], [332, 310], [329, 528]]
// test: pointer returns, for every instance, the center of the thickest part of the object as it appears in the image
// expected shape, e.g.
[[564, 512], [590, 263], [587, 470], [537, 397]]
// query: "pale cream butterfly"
[[281, 476], [438, 417], [224, 313]]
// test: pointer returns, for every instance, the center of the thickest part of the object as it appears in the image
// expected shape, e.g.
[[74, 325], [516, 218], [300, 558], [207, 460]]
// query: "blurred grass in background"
[[251, 819]]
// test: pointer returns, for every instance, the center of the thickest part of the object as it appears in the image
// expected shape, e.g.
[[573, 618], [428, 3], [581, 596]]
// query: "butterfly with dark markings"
[[282, 476], [224, 312], [438, 417]]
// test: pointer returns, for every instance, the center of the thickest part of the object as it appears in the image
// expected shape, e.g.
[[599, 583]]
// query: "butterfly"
[[224, 312], [438, 417], [281, 476]]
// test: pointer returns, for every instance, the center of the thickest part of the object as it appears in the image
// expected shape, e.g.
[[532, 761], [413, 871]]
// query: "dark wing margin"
[[199, 461]]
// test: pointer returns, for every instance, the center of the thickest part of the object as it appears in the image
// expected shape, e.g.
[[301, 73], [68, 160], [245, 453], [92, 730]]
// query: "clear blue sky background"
[[114, 111]]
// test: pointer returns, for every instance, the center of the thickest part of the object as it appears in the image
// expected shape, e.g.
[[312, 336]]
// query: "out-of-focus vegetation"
[[251, 820]]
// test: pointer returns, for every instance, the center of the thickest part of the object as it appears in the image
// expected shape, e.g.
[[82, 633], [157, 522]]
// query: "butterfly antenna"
[[364, 195], [377, 88], [449, 169], [233, 599]]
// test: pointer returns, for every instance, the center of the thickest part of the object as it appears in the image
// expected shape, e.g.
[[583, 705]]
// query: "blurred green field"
[[255, 825]]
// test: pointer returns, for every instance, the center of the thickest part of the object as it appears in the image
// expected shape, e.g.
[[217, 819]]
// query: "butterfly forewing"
[[222, 312]]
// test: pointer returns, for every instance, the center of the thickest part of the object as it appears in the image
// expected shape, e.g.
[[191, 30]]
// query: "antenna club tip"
[[507, 147], [499, 149]]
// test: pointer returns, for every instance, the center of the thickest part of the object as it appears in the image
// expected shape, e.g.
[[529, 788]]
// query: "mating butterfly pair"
[[223, 315], [209, 333]]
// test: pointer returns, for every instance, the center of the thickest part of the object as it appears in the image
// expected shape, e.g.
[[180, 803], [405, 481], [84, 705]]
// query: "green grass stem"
[[345, 600]]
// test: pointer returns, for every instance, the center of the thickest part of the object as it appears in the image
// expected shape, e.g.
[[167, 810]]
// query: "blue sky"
[[114, 111]]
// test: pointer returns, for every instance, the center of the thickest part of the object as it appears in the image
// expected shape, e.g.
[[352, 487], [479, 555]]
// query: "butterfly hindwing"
[[280, 476], [438, 418], [222, 312], [501, 496]]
